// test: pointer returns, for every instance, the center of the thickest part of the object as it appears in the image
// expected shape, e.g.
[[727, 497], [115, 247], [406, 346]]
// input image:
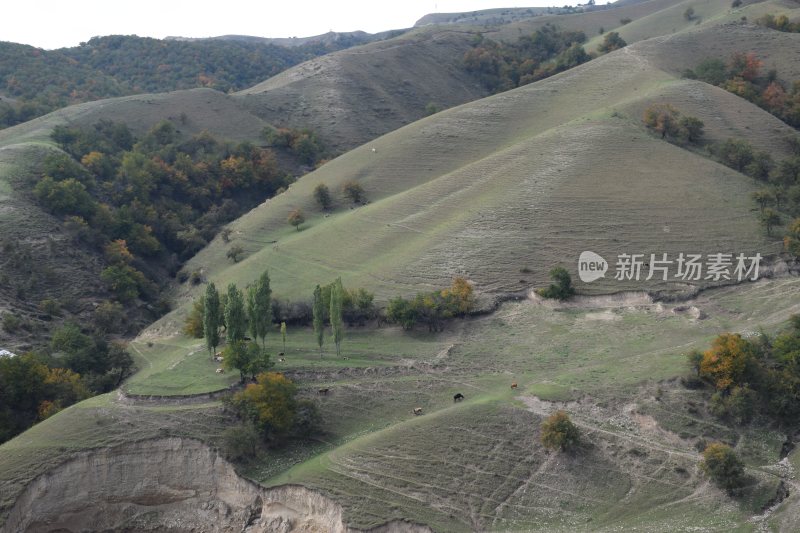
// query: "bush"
[[354, 191], [11, 323], [432, 108], [723, 466], [612, 41], [50, 307], [562, 288], [559, 433], [241, 442]]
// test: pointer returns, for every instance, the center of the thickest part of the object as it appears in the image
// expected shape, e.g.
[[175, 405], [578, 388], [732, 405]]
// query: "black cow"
[[458, 397]]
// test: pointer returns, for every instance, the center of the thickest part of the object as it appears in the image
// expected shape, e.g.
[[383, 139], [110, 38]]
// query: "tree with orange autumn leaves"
[[725, 364]]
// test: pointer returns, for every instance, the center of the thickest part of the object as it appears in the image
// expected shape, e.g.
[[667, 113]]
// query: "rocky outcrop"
[[173, 485]]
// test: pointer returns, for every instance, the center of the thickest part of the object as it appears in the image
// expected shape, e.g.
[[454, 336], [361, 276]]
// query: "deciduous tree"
[[723, 466], [337, 324], [296, 218], [318, 310], [212, 318], [235, 316], [559, 433]]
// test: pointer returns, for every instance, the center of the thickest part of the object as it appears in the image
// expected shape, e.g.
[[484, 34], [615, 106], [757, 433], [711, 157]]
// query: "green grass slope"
[[477, 465], [525, 179]]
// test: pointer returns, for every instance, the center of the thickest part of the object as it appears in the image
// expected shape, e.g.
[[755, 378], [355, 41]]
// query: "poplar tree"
[[259, 308], [318, 310], [337, 325], [211, 318], [235, 317]]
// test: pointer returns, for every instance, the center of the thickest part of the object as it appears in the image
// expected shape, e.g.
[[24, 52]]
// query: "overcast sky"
[[57, 23]]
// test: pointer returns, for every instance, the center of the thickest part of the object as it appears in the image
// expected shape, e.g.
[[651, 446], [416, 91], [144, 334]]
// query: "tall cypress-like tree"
[[337, 325], [235, 317], [318, 310], [259, 308], [212, 318]]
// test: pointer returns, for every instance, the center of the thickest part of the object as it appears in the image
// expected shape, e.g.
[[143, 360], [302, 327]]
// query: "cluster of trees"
[[303, 143], [780, 193], [433, 308], [561, 288], [742, 76], [781, 181], [752, 377], [238, 313], [153, 202], [333, 305], [40, 81], [503, 66], [612, 41], [74, 366], [668, 122], [352, 190], [271, 412], [780, 23]]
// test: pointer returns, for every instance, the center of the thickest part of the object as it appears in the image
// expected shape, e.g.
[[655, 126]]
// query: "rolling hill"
[[481, 190], [499, 190]]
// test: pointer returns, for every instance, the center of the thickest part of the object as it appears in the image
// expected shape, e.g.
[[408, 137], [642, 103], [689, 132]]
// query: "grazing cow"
[[514, 385], [281, 360], [219, 359], [324, 392], [220, 371], [281, 354], [458, 397], [418, 411]]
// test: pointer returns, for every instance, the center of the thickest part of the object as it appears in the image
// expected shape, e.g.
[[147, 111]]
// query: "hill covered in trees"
[[35, 81]]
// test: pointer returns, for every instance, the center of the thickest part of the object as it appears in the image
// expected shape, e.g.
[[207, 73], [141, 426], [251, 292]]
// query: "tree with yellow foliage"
[[725, 363], [269, 404]]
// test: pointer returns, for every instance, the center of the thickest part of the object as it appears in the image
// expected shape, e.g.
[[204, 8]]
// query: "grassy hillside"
[[477, 465], [499, 190], [355, 95], [523, 180]]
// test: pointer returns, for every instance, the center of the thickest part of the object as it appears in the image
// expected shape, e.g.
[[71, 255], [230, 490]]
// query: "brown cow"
[[514, 385]]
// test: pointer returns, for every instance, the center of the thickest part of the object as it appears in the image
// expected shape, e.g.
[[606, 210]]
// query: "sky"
[[58, 23]]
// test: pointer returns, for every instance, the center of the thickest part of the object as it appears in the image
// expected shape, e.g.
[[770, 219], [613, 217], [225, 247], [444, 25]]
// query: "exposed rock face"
[[173, 485]]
